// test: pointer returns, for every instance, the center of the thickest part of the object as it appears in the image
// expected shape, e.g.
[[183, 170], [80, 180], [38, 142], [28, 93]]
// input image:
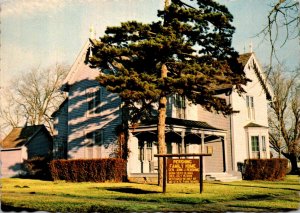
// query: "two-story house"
[[85, 124]]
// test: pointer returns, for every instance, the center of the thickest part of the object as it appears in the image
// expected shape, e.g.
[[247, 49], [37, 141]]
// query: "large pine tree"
[[188, 52]]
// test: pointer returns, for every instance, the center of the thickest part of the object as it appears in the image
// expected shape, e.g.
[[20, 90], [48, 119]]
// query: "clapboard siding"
[[222, 122], [241, 135], [60, 136], [214, 163], [11, 163], [81, 123], [39, 145]]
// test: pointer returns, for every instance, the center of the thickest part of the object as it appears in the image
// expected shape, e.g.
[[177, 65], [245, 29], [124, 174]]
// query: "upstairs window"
[[94, 100], [250, 107], [179, 103]]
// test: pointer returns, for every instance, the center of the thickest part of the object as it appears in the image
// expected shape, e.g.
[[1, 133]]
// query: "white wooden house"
[[85, 123]]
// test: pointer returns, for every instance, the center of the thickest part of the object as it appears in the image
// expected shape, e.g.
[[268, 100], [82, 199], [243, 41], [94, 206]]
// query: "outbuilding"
[[24, 143]]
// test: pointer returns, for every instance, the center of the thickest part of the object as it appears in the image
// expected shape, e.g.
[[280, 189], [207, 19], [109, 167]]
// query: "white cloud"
[[28, 7]]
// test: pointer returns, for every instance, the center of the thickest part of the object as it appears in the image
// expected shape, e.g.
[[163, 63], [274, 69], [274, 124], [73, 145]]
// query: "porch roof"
[[252, 124], [176, 122]]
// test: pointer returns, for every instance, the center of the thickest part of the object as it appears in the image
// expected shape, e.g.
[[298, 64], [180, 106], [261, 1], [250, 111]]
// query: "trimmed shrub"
[[37, 168], [265, 169], [93, 170]]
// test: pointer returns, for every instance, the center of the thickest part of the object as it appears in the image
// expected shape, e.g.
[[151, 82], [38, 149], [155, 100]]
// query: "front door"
[[147, 149]]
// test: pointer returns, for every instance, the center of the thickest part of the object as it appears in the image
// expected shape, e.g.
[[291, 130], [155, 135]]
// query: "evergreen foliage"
[[187, 52], [193, 40]]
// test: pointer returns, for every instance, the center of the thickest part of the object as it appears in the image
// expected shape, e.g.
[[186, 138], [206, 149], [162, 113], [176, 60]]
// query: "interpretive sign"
[[183, 170]]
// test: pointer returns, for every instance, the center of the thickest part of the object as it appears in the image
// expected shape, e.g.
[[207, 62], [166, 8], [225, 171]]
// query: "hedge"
[[93, 170], [37, 168], [265, 169]]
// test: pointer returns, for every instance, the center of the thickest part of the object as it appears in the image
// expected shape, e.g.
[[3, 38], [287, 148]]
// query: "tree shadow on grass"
[[9, 208], [265, 209], [255, 186], [255, 197], [130, 190]]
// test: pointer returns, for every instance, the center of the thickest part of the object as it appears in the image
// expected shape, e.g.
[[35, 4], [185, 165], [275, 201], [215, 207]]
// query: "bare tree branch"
[[284, 116], [282, 18], [34, 96]]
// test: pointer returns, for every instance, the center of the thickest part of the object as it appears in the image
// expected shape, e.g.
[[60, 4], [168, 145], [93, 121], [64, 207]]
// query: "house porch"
[[182, 136]]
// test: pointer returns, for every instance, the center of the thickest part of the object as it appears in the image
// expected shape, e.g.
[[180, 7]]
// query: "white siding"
[[240, 120], [11, 162]]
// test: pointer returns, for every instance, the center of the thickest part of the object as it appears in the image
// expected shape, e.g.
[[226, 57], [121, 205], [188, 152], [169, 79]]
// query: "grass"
[[242, 196]]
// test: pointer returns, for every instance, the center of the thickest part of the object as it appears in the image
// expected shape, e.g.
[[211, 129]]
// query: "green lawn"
[[254, 196]]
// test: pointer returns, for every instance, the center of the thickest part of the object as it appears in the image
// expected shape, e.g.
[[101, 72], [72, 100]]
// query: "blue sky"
[[44, 32]]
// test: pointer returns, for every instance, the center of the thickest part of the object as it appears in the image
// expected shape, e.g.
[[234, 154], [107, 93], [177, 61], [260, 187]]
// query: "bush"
[[37, 168], [265, 169], [94, 170]]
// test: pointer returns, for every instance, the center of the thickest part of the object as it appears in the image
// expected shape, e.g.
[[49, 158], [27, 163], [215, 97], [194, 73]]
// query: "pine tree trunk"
[[162, 110]]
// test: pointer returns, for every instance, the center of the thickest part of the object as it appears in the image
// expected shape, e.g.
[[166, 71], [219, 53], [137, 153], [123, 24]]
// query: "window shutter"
[[98, 100], [89, 96]]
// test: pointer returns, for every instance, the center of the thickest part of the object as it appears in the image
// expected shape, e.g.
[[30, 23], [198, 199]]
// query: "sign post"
[[201, 173], [182, 170]]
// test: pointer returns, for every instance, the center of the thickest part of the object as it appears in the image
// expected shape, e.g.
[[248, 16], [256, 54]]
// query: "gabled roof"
[[249, 59], [19, 136], [80, 70], [54, 114], [244, 58], [251, 124]]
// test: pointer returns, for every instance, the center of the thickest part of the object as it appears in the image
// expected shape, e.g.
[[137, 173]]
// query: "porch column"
[[182, 142], [133, 163], [202, 142], [145, 159], [224, 153]]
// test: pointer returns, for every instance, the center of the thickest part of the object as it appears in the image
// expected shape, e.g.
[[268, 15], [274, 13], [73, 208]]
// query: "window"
[[141, 156], [179, 103], [263, 143], [145, 151], [149, 151], [94, 100], [255, 143], [250, 107], [95, 138]]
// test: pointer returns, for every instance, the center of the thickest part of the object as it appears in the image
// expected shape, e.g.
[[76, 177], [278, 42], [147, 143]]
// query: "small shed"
[[23, 143]]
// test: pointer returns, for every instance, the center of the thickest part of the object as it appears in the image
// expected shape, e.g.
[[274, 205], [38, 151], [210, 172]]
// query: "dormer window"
[[250, 107]]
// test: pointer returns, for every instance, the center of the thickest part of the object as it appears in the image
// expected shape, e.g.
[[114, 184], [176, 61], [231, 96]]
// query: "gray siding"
[[39, 145], [221, 122], [60, 137], [214, 163], [80, 122]]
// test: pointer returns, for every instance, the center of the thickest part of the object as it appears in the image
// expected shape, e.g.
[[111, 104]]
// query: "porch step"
[[222, 177]]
